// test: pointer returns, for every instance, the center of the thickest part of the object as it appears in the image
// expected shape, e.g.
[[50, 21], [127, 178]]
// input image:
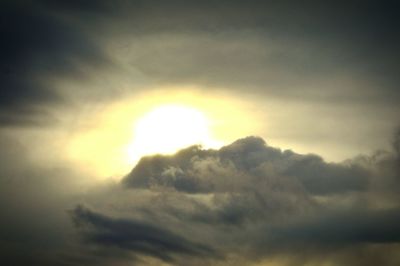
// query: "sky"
[[261, 133]]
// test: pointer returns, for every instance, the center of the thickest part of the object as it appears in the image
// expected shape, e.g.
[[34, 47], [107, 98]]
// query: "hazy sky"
[[295, 104]]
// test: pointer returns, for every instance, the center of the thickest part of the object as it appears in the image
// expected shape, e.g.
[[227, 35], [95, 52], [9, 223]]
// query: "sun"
[[109, 140], [168, 128]]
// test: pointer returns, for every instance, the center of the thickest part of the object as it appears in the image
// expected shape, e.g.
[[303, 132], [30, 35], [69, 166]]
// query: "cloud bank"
[[250, 203], [246, 203], [331, 53]]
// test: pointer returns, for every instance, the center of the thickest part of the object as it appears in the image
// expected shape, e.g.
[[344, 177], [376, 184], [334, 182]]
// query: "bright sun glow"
[[169, 128], [111, 139]]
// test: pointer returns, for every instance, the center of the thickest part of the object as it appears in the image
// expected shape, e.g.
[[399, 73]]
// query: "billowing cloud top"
[[195, 170], [250, 202], [243, 204]]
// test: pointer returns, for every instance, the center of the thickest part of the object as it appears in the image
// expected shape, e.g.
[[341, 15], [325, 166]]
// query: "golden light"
[[110, 140], [169, 128]]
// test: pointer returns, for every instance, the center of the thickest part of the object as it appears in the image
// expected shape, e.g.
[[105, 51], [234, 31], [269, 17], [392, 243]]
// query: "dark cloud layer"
[[137, 237], [252, 202], [343, 228], [37, 48], [331, 52], [244, 203]]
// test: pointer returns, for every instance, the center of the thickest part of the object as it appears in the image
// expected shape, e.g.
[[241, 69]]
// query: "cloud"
[[336, 53], [286, 49], [343, 228], [239, 204], [196, 170], [137, 237], [266, 203], [245, 203], [38, 49], [34, 226]]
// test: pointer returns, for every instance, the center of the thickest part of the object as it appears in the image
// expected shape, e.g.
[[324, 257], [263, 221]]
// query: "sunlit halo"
[[110, 140], [168, 128]]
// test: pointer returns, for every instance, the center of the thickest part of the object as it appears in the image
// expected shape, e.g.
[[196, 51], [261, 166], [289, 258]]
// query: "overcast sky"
[[304, 100]]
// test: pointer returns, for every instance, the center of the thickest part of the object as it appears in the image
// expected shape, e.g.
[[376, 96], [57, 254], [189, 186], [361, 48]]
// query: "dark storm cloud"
[[343, 228], [351, 237], [317, 51], [37, 48], [137, 237], [331, 51], [193, 170], [275, 202], [243, 203]]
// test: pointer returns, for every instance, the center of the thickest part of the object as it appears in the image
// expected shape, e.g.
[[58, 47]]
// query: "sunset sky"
[[260, 133]]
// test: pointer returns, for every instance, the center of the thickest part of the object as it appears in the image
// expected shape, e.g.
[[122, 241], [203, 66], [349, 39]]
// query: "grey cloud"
[[287, 49], [38, 48], [275, 203], [351, 237], [240, 204], [341, 228], [137, 237], [249, 158], [330, 53], [283, 46], [34, 226]]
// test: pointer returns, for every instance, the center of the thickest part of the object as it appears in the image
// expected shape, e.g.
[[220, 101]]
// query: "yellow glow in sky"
[[168, 128], [109, 142]]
